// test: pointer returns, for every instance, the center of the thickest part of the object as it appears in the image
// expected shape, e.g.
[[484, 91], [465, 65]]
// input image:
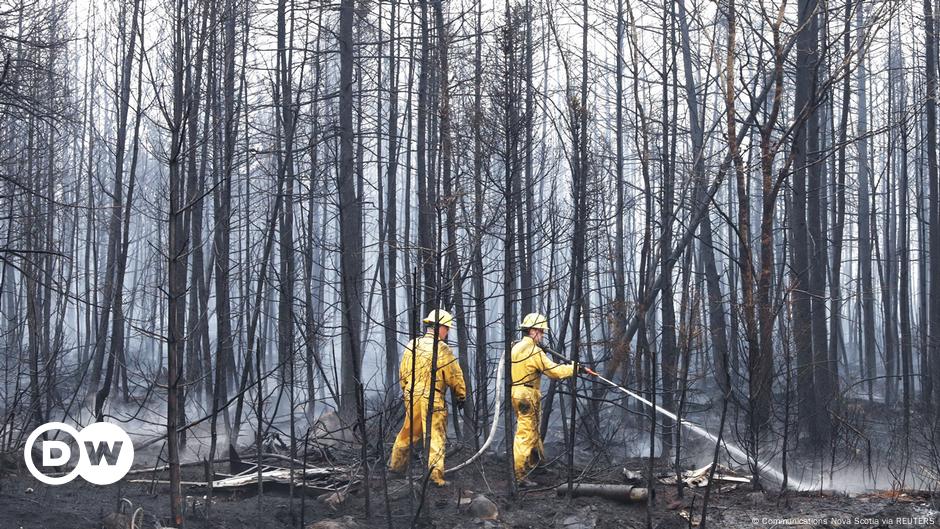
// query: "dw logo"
[[105, 453]]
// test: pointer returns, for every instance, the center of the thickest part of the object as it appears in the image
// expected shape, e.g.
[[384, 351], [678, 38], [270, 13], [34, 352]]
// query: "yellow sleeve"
[[553, 370], [453, 375], [404, 368]]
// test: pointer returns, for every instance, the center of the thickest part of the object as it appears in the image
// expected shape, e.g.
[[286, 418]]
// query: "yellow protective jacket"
[[417, 359], [529, 361]]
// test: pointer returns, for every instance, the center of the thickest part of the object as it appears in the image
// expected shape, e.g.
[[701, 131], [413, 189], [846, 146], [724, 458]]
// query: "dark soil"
[[25, 503]]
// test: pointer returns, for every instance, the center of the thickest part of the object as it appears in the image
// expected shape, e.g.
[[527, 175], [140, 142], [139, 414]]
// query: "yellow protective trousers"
[[413, 429], [527, 445]]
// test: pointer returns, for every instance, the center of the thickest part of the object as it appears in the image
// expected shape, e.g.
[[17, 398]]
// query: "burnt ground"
[[28, 504], [25, 503]]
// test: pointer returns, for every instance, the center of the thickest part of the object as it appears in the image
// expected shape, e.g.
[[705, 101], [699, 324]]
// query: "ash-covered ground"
[[871, 481], [25, 503]]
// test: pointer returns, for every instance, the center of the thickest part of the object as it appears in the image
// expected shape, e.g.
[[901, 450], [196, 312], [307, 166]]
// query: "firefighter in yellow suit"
[[415, 379], [529, 362]]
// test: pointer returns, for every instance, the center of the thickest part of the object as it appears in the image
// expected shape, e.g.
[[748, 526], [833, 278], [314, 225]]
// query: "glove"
[[585, 369], [461, 403]]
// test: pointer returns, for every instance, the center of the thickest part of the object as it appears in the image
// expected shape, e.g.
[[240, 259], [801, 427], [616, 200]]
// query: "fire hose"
[[497, 406], [497, 410], [694, 428]]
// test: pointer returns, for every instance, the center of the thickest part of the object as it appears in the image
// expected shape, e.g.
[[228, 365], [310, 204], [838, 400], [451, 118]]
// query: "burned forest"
[[339, 264]]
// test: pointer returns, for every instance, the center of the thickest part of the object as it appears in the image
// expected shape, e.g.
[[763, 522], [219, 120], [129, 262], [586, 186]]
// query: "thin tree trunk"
[[509, 144], [933, 184], [117, 209], [804, 106], [668, 355], [838, 205], [864, 218], [176, 266], [718, 325], [904, 255], [350, 220], [425, 208], [479, 293], [391, 208]]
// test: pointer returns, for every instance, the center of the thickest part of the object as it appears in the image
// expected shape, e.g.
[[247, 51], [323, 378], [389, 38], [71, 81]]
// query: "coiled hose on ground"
[[497, 407]]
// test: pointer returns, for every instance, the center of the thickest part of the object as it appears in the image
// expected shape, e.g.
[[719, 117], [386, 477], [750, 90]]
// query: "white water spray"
[[732, 449]]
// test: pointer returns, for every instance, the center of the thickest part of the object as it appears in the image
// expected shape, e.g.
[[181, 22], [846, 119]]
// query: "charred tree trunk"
[[864, 220], [804, 110], [176, 257], [350, 220], [479, 292], [716, 310], [668, 350], [117, 209], [391, 208], [509, 145], [425, 208], [933, 183]]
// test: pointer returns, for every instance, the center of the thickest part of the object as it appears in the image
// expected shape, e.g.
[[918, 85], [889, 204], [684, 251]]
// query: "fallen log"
[[699, 477], [164, 468], [621, 493], [167, 482], [322, 479], [277, 475]]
